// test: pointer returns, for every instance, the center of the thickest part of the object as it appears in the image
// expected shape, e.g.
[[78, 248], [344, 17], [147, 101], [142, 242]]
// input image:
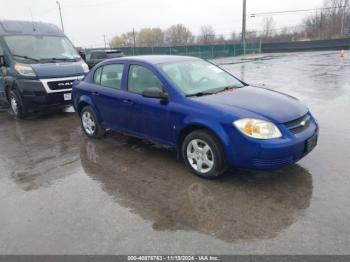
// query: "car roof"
[[156, 59], [14, 27]]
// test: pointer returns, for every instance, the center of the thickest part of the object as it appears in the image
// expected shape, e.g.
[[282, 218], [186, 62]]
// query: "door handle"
[[95, 93], [128, 101]]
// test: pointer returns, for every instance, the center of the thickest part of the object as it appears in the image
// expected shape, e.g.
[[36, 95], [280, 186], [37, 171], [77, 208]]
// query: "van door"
[[2, 80]]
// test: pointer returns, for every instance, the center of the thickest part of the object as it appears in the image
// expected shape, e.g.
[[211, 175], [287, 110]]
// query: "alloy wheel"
[[88, 123], [200, 156], [14, 105]]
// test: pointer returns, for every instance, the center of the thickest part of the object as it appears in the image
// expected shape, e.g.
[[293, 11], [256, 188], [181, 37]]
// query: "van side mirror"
[[82, 55], [155, 92]]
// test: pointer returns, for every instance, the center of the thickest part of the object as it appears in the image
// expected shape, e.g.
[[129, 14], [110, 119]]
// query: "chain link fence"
[[202, 51]]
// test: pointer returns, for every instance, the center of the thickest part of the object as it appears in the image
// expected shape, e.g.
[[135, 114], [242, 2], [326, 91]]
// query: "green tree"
[[151, 37], [117, 41]]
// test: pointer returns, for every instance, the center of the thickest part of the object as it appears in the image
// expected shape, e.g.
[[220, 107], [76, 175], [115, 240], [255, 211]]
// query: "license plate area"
[[311, 143], [67, 96]]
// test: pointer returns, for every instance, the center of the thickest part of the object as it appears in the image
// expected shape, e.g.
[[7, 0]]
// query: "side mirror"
[[82, 55], [155, 92]]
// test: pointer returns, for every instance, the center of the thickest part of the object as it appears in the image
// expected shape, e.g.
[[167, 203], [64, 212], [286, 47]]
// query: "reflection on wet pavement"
[[149, 181], [40, 146]]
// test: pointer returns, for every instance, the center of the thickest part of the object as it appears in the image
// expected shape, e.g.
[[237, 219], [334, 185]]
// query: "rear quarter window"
[[97, 76], [111, 76]]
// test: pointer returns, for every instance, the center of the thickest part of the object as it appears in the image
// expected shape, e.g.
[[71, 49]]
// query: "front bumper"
[[43, 100], [275, 153], [36, 94]]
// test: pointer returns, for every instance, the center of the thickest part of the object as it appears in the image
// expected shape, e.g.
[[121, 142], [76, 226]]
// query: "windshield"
[[197, 77], [41, 48]]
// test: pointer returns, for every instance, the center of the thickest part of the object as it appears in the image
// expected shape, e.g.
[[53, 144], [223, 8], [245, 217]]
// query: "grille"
[[60, 85], [264, 163], [298, 125]]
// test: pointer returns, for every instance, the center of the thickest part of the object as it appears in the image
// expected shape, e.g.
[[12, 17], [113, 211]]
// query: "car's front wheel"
[[203, 154], [90, 124]]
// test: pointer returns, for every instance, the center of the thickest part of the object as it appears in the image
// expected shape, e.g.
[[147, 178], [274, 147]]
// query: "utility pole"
[[134, 37], [104, 39], [244, 26], [59, 9], [343, 18], [321, 26]]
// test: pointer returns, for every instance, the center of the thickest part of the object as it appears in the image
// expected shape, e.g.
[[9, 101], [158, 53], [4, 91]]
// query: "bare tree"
[[207, 35], [129, 38], [220, 39], [330, 21], [268, 25], [178, 35]]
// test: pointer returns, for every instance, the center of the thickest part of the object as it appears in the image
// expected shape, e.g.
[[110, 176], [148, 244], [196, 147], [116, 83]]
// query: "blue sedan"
[[211, 118]]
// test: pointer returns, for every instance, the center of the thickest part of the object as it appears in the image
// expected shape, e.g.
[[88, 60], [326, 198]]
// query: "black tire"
[[97, 131], [19, 110], [217, 154]]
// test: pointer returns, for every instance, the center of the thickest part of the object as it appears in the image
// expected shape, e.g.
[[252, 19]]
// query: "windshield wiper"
[[200, 94], [226, 88], [54, 59], [26, 57]]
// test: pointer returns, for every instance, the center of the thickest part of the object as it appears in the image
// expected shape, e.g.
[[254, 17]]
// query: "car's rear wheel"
[[17, 107], [203, 154], [90, 124]]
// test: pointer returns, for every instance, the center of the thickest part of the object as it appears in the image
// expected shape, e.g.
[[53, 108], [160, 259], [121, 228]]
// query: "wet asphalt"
[[61, 193]]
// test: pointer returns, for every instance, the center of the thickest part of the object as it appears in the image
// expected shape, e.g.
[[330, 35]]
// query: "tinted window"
[[114, 54], [111, 75], [98, 55], [97, 75], [141, 78]]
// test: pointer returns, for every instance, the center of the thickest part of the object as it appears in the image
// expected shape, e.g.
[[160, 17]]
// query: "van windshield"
[[41, 48]]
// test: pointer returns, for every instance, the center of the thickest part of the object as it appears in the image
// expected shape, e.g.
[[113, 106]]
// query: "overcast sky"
[[86, 21]]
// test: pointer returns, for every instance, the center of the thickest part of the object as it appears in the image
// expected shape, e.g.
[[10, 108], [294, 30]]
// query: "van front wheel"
[[17, 107]]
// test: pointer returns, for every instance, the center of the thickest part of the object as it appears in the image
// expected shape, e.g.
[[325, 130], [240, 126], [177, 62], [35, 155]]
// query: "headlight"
[[85, 67], [259, 129], [24, 70]]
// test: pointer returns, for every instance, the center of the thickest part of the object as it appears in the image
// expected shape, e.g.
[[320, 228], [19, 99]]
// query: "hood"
[[270, 104], [54, 70]]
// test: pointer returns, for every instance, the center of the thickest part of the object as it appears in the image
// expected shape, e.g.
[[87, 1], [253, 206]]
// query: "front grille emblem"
[[65, 84]]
